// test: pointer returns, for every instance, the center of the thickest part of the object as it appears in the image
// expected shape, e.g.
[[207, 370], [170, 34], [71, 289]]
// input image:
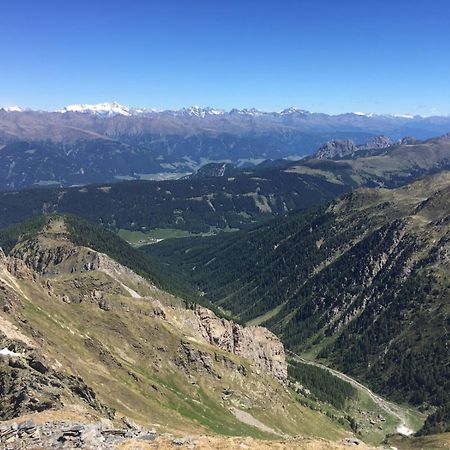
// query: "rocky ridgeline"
[[340, 148]]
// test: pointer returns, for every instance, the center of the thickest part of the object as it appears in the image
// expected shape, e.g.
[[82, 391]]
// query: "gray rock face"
[[336, 149], [68, 435], [15, 267], [31, 385], [257, 344], [408, 140], [341, 148], [378, 142]]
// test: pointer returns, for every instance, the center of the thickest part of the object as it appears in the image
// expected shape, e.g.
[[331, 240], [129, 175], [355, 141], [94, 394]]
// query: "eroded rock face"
[[346, 147], [254, 343], [378, 142], [16, 267], [2, 258], [28, 384], [336, 149]]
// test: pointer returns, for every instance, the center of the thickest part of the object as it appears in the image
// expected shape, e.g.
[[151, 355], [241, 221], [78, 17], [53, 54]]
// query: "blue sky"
[[331, 56]]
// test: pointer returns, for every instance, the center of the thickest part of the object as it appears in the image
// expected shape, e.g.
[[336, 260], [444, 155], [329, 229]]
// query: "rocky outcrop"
[[29, 384], [409, 140], [2, 258], [377, 142], [47, 260], [336, 149], [341, 148], [51, 260], [69, 434], [15, 267], [256, 344]]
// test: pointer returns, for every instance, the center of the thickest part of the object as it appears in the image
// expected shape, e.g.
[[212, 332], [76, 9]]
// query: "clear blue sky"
[[322, 55]]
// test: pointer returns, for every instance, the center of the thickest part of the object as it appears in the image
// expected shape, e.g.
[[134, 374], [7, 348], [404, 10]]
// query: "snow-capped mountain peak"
[[292, 110], [114, 108], [13, 108], [247, 112], [111, 109], [197, 111], [363, 114], [103, 109]]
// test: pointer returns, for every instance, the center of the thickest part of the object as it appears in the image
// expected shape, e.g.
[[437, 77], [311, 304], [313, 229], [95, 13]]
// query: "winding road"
[[389, 407]]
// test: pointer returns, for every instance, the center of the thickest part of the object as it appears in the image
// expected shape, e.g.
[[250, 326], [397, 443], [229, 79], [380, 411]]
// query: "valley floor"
[[405, 421], [377, 419]]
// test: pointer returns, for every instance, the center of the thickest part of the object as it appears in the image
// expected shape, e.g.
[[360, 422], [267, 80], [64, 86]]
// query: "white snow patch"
[[106, 109], [292, 110], [7, 352], [359, 113], [13, 108], [403, 429]]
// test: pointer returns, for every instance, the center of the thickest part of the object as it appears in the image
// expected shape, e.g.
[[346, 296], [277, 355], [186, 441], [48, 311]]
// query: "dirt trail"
[[389, 407]]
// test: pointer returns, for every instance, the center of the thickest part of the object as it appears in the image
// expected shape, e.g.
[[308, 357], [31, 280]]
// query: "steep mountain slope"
[[363, 282], [83, 334], [205, 204]]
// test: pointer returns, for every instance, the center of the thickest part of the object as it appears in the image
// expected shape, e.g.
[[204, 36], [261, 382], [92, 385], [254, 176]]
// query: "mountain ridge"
[[114, 107], [111, 142]]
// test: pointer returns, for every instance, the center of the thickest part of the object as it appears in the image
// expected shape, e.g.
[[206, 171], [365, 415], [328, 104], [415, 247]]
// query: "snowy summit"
[[12, 108], [103, 109]]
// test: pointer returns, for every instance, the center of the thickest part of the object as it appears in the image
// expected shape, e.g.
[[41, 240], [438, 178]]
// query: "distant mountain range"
[[115, 108], [107, 142], [114, 119]]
